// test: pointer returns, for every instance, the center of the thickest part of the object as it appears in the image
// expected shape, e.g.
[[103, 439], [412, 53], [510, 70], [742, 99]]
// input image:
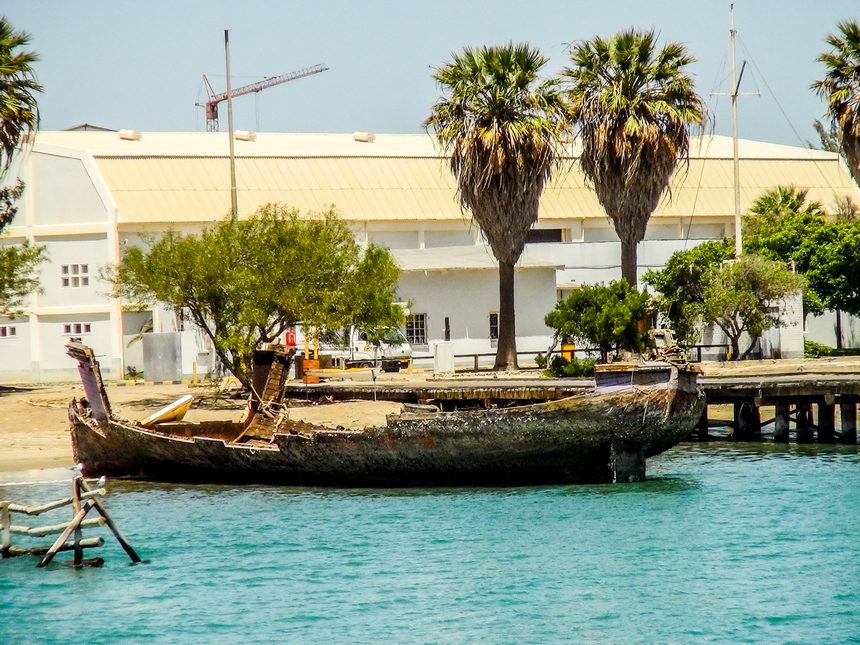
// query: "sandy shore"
[[34, 426], [34, 423]]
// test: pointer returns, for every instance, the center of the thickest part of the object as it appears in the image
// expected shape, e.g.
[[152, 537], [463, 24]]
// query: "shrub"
[[811, 349], [559, 366]]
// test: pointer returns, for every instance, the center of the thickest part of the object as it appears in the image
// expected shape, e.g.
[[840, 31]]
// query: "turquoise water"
[[757, 543]]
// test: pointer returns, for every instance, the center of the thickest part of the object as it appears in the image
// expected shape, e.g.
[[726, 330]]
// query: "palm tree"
[[502, 127], [19, 113], [840, 87], [633, 106]]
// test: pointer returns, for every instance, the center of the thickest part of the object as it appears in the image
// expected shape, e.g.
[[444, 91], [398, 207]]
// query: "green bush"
[[559, 366], [609, 318], [811, 349]]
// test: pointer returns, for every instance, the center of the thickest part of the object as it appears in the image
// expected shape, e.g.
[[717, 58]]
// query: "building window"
[[75, 275], [544, 236], [77, 328], [494, 326], [416, 329], [8, 331]]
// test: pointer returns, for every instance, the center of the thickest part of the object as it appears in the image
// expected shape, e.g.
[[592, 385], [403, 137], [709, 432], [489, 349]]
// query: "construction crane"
[[214, 99]]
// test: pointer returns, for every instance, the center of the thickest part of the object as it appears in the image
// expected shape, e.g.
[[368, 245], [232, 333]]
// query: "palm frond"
[[634, 106]]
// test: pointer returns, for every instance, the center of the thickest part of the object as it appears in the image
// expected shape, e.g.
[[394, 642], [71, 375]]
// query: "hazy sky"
[[139, 64]]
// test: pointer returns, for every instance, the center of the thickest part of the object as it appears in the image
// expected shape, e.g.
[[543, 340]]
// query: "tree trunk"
[[838, 329], [736, 348], [628, 262], [506, 352], [752, 346]]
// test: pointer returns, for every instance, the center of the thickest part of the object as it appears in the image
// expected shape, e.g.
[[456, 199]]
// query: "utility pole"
[[234, 196]]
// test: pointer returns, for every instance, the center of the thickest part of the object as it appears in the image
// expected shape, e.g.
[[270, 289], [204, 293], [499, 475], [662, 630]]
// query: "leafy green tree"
[[783, 225], [633, 105], [502, 126], [244, 282], [681, 286], [743, 296], [19, 115], [834, 269], [19, 112], [612, 318], [18, 275], [840, 88]]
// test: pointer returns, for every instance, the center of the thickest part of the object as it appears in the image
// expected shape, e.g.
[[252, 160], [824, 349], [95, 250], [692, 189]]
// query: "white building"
[[90, 194]]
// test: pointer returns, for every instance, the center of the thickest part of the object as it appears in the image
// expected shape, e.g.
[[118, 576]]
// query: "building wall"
[[15, 349], [65, 191], [467, 297], [822, 329], [67, 208]]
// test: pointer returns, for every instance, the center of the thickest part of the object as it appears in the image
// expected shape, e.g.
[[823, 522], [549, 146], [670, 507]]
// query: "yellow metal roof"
[[184, 177]]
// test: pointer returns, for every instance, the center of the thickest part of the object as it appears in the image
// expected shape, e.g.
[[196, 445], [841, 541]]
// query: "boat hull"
[[596, 438]]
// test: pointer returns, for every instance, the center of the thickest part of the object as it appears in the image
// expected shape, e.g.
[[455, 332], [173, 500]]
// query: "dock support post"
[[848, 420], [803, 420], [747, 421], [627, 460], [826, 423], [780, 427], [6, 524], [702, 428]]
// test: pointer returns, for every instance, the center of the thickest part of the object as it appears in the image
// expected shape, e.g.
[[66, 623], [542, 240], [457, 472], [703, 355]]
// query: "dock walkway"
[[795, 389]]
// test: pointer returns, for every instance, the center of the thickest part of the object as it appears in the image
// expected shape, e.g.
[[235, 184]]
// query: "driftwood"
[[83, 500], [38, 510], [86, 543], [118, 534], [61, 541], [42, 531]]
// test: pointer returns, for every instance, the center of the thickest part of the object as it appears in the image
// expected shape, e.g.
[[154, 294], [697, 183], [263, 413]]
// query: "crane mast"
[[214, 99]]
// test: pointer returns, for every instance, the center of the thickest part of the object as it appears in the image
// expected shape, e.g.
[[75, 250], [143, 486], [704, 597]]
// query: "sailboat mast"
[[737, 167]]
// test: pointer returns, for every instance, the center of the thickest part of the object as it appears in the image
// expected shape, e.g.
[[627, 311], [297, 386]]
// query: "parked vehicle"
[[389, 349]]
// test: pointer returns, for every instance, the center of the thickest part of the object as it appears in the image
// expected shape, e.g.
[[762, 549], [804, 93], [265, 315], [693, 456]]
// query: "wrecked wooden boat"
[[635, 412]]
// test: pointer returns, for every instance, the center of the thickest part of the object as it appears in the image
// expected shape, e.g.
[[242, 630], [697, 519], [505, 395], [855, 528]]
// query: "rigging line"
[[698, 188], [790, 124], [718, 83]]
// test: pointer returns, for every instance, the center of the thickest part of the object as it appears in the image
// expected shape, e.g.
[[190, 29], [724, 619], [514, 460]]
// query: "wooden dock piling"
[[826, 422], [781, 423], [803, 421], [747, 421], [848, 421]]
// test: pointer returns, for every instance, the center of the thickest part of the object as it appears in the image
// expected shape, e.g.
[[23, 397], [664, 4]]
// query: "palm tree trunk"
[[506, 352], [628, 262]]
